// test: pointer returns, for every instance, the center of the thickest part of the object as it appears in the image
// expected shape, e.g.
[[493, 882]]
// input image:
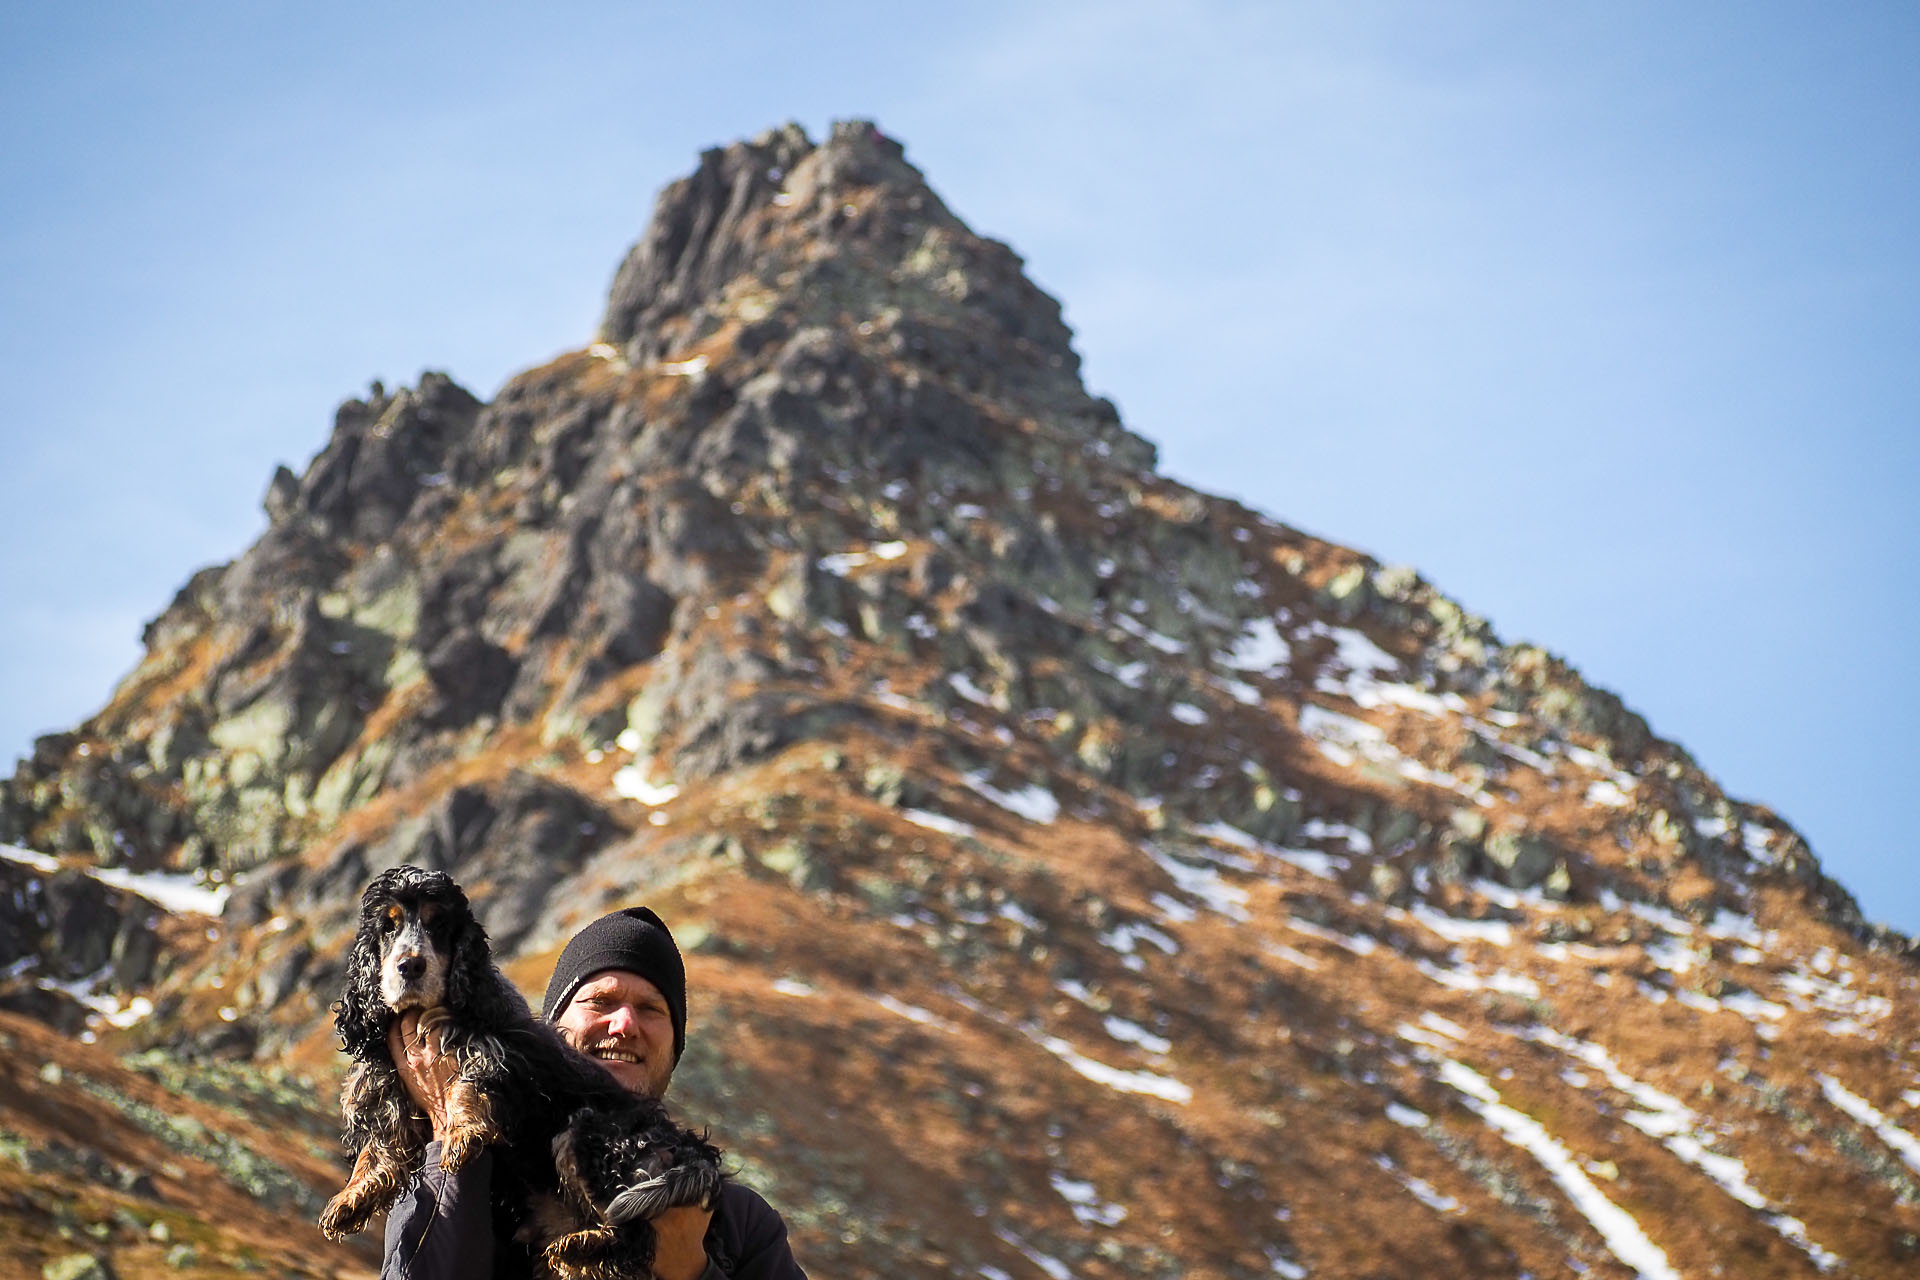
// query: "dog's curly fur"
[[581, 1164]]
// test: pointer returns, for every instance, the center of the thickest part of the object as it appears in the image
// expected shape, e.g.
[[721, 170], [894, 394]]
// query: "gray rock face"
[[385, 451], [698, 241], [509, 840], [69, 927]]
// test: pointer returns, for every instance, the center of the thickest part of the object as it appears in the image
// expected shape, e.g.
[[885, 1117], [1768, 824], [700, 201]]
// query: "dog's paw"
[[341, 1218], [593, 1271], [597, 1253], [462, 1145]]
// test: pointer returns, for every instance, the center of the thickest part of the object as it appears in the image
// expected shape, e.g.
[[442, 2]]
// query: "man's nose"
[[622, 1021], [411, 967]]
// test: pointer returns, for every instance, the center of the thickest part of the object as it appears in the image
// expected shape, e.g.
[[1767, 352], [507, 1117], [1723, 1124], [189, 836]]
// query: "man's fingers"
[[423, 1063], [431, 1059], [417, 1044], [405, 1032]]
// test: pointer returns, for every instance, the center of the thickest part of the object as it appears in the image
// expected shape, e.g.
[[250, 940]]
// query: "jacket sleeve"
[[441, 1227], [751, 1239]]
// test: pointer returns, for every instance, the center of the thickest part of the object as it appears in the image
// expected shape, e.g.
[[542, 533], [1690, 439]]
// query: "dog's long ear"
[[472, 986], [361, 1016]]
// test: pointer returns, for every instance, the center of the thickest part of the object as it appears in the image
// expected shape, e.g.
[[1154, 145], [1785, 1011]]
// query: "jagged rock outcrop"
[[456, 565], [1021, 809], [70, 928]]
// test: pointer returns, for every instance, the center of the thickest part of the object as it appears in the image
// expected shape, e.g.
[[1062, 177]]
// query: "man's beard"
[[621, 1060]]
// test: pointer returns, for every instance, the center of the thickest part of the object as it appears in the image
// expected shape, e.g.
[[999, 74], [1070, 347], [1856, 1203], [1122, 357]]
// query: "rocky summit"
[[1080, 875]]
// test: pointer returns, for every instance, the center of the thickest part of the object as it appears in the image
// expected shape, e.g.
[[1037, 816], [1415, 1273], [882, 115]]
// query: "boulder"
[[1522, 859], [77, 1266]]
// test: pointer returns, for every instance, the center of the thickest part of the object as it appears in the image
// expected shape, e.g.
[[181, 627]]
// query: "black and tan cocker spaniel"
[[580, 1164]]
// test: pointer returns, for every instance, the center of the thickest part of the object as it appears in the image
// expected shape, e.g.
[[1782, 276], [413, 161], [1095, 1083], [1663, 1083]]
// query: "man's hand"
[[680, 1251], [425, 1071]]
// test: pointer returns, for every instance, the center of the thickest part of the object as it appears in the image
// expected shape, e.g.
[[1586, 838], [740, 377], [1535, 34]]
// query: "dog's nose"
[[411, 967]]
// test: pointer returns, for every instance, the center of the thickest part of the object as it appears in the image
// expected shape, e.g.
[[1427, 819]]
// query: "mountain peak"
[[844, 232]]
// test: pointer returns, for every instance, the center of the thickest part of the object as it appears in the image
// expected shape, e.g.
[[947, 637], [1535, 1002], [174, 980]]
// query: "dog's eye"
[[390, 921]]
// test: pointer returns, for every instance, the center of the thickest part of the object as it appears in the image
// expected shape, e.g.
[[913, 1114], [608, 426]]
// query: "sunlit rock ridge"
[[1081, 875]]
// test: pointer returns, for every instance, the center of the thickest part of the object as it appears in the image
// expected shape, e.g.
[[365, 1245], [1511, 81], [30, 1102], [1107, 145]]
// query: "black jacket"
[[442, 1228]]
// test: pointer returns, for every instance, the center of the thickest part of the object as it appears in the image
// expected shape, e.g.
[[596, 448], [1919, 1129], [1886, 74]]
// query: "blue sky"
[[1602, 315]]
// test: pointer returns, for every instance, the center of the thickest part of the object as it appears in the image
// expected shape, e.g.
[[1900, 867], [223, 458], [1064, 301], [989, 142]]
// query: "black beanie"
[[635, 940]]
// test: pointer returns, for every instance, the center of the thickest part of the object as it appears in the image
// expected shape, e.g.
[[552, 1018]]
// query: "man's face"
[[622, 1020]]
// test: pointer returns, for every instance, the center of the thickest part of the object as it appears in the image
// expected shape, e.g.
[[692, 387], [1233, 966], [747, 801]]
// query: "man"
[[619, 995]]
